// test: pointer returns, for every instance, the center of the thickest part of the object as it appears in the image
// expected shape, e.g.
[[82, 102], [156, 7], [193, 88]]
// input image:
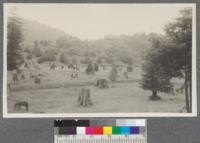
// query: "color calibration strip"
[[100, 131]]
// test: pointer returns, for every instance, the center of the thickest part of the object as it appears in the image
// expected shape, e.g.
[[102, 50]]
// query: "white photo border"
[[107, 115]]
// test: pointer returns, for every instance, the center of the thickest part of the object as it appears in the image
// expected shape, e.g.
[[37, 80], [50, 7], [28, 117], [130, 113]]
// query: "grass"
[[118, 98], [126, 96]]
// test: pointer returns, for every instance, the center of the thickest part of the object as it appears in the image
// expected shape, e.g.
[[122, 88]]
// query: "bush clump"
[[46, 58], [90, 68], [113, 74]]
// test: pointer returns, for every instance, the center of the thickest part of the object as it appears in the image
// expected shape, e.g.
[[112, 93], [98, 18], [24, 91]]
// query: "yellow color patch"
[[107, 130]]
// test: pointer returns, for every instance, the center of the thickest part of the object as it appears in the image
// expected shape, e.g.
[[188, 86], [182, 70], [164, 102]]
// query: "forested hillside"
[[40, 39]]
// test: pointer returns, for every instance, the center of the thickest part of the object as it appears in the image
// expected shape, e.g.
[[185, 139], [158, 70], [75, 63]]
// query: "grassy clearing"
[[122, 97], [58, 93]]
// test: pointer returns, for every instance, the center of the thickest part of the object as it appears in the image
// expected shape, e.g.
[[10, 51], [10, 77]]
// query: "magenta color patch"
[[89, 130]]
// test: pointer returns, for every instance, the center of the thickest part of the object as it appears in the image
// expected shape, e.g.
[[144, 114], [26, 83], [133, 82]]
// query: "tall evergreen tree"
[[14, 40], [155, 77], [180, 32]]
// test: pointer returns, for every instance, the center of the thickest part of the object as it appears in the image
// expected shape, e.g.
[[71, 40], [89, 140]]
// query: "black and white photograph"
[[99, 60]]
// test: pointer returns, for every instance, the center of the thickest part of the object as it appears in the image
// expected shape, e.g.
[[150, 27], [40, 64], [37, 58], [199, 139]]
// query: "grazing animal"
[[74, 67], [70, 66], [74, 75], [84, 97], [19, 105], [102, 83]]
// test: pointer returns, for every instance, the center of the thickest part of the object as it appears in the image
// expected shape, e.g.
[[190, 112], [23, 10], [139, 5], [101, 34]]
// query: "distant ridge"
[[35, 31]]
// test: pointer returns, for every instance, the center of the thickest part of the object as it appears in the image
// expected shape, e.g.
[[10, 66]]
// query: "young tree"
[[180, 32], [90, 68], [113, 74], [155, 77], [175, 58], [14, 39], [96, 67], [63, 59]]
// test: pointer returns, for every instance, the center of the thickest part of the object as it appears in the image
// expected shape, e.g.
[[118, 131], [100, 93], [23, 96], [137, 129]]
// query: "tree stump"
[[102, 83], [96, 67], [126, 75], [53, 66], [15, 77], [84, 98], [129, 69], [37, 80]]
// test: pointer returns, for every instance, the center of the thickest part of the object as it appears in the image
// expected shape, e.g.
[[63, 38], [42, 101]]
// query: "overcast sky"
[[93, 21]]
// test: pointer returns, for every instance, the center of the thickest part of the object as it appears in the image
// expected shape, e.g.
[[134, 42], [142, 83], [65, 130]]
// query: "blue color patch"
[[125, 130]]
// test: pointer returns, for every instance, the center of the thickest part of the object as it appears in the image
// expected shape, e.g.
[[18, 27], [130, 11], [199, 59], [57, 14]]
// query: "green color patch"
[[116, 130]]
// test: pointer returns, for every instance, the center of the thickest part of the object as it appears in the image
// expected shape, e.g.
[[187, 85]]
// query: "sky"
[[94, 21]]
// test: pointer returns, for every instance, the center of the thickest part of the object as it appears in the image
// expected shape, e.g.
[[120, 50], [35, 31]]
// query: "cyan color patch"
[[125, 130]]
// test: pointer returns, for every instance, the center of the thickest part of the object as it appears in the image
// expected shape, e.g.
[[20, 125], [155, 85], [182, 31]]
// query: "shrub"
[[113, 74], [63, 59], [86, 61], [90, 68], [47, 57], [129, 69], [102, 83], [96, 67]]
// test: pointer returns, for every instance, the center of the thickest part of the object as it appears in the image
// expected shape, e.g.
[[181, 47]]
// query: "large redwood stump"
[[102, 83], [84, 98]]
